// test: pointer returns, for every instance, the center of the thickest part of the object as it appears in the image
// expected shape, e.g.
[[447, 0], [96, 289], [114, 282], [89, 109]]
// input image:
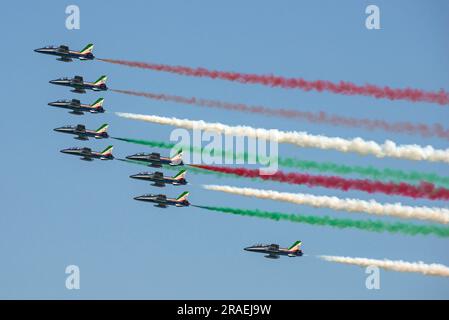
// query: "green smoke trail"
[[370, 172], [367, 225]]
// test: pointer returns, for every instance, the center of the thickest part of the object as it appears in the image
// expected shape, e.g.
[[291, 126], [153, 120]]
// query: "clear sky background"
[[57, 210]]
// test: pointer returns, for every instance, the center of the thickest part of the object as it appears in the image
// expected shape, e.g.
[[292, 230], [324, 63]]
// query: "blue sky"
[[57, 210]]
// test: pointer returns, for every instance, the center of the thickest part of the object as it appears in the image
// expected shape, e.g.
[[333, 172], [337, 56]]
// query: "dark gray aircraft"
[[84, 134], [77, 107], [160, 180], [80, 86], [273, 251], [88, 155], [162, 201], [155, 160], [66, 55]]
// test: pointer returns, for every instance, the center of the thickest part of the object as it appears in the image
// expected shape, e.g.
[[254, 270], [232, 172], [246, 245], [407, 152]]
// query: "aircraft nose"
[[64, 151], [138, 198], [132, 157], [53, 81], [39, 50], [134, 176]]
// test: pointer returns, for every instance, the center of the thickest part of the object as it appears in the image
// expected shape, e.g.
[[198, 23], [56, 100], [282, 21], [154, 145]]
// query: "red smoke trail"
[[315, 117], [423, 190], [346, 88]]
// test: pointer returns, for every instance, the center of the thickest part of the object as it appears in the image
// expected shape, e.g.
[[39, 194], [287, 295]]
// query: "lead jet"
[[79, 108], [161, 200], [155, 160], [66, 55], [84, 134], [88, 155], [159, 180], [80, 86], [273, 251]]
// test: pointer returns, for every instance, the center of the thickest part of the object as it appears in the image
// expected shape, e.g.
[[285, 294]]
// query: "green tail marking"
[[107, 149], [104, 127], [185, 193], [102, 78], [179, 173], [99, 101], [86, 48], [296, 243]]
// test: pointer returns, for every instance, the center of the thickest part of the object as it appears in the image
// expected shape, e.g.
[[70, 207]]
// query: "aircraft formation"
[[155, 160]]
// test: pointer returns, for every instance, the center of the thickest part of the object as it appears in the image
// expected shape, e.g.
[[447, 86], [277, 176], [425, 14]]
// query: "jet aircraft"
[[161, 200], [155, 160], [66, 55], [80, 86], [273, 251], [159, 180], [88, 155], [79, 108], [84, 134]]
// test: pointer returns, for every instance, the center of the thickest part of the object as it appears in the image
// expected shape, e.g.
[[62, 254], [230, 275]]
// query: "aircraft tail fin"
[[295, 246], [183, 196], [107, 151], [87, 49], [98, 103], [180, 175], [101, 80], [177, 158], [103, 128]]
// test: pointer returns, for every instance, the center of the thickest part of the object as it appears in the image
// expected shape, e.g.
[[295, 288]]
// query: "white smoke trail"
[[433, 269], [303, 139], [440, 215]]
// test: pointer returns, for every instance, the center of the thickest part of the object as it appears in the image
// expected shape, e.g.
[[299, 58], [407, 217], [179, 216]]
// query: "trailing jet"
[[273, 251], [162, 201], [88, 155], [77, 107], [66, 55], [160, 180], [84, 134], [80, 86], [155, 160]]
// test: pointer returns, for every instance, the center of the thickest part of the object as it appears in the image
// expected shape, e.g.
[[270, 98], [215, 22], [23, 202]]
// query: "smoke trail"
[[374, 173], [367, 225], [303, 139], [422, 129], [424, 190], [440, 215], [398, 265], [346, 88]]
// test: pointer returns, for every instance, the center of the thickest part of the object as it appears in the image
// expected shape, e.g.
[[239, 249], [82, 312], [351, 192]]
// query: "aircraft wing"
[[64, 59], [155, 163], [79, 90], [159, 184]]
